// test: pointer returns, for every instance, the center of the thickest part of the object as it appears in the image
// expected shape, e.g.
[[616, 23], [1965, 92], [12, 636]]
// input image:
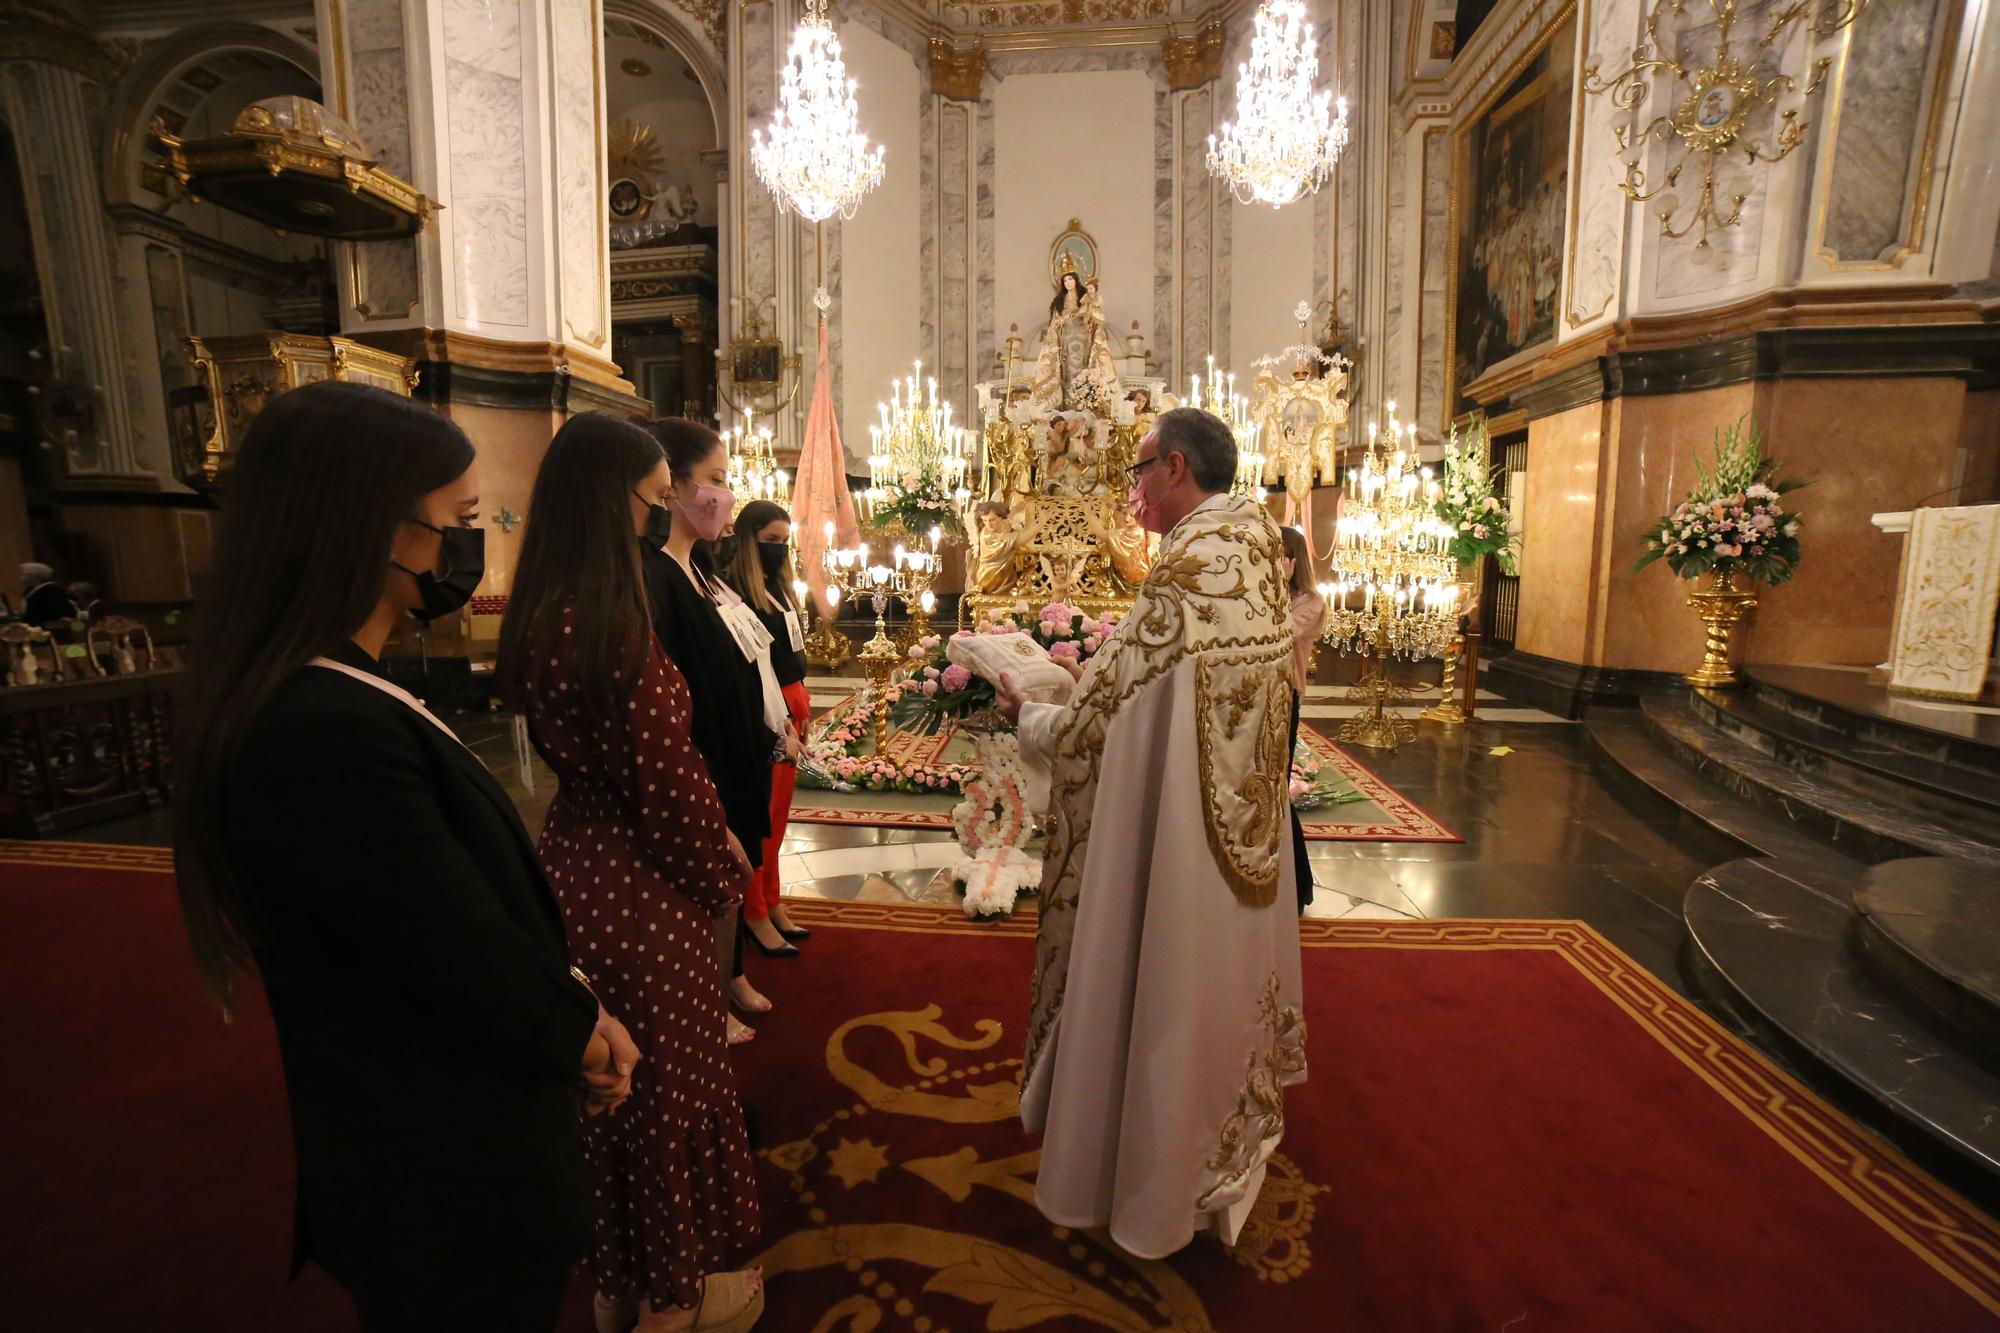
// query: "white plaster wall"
[[1072, 145], [880, 294], [1271, 271]]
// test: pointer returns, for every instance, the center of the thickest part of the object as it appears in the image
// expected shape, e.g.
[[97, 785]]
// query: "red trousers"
[[764, 886]]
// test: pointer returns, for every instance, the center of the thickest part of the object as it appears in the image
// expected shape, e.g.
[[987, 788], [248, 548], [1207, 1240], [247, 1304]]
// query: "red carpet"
[[1507, 1125]]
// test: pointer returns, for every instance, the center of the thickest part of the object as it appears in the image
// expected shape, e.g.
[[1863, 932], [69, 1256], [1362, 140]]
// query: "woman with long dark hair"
[[756, 559], [334, 839], [642, 861], [738, 723]]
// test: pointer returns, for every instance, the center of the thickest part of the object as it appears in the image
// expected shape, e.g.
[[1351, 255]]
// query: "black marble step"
[[1777, 945], [1958, 798], [1932, 928], [1844, 700], [1625, 745], [1866, 829]]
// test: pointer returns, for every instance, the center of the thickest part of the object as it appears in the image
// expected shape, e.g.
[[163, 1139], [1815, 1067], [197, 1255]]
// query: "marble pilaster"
[[1596, 239], [1165, 229], [1876, 163], [373, 93], [77, 262], [1435, 273], [495, 108], [955, 244], [930, 279], [985, 353], [1398, 371], [1196, 119]]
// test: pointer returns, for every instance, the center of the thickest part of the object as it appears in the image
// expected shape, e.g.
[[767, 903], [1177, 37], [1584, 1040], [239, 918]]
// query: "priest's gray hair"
[[1204, 441]]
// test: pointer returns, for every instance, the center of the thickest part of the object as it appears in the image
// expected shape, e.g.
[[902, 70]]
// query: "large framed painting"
[[1510, 178]]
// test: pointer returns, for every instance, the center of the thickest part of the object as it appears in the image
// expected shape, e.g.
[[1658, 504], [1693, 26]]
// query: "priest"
[[1165, 1021]]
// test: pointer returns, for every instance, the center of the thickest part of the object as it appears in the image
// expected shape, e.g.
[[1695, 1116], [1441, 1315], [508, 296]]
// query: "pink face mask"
[[707, 510], [1143, 511]]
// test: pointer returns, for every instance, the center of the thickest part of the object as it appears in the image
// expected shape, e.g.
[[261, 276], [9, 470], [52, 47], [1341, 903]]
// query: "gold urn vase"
[[1721, 605]]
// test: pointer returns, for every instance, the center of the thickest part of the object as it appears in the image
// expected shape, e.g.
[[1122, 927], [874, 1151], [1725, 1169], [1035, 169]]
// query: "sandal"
[[738, 1034], [615, 1316], [730, 1291]]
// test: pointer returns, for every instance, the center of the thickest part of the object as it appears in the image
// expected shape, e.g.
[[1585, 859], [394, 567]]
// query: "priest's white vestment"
[[1166, 1015]]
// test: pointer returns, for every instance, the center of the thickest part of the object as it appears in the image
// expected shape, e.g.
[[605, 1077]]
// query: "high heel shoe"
[[779, 951], [795, 932]]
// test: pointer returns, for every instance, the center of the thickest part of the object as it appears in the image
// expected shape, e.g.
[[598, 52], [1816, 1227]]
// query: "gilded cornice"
[[957, 74], [1048, 25], [1194, 60]]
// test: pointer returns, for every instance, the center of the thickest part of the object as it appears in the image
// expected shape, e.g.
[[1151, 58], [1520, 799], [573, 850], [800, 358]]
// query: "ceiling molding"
[[157, 15]]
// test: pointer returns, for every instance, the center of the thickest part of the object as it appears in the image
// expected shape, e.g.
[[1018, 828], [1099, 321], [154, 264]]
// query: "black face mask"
[[773, 556], [463, 551], [659, 522]]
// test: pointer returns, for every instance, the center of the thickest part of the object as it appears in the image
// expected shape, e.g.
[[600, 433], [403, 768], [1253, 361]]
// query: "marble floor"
[[1545, 837]]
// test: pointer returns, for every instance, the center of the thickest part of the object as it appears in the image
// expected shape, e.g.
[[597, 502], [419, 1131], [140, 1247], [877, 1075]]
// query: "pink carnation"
[[1091, 643], [1066, 650], [955, 678], [930, 688]]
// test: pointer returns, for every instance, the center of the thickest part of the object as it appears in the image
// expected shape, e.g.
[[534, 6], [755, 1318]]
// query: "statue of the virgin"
[[1074, 370]]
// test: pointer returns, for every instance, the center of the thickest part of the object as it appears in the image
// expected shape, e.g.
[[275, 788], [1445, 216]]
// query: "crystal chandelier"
[[816, 160], [1285, 141]]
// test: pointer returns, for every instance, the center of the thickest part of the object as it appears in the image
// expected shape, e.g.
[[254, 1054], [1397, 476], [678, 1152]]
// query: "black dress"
[[428, 1021], [728, 725]]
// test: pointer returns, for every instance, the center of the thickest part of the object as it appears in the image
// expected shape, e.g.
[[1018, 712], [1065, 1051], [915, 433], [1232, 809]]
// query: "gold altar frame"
[[1073, 240]]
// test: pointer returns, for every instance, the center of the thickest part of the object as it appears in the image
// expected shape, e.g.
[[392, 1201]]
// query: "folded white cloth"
[[1036, 675]]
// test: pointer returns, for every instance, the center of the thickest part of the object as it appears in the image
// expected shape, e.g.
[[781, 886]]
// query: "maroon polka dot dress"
[[635, 848]]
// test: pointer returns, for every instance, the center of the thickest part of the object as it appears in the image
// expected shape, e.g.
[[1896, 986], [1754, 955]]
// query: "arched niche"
[[172, 76]]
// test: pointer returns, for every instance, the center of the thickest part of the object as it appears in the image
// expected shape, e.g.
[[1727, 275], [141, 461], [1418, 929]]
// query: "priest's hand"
[[1007, 699]]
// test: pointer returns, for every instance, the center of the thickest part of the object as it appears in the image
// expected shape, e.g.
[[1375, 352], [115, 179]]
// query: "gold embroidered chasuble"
[[1165, 1019]]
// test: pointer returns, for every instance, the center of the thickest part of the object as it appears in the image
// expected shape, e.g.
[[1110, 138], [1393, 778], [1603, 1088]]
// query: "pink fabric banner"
[[819, 493]]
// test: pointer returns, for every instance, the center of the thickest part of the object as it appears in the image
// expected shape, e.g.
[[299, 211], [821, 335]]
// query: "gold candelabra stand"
[[826, 645], [1394, 590], [1216, 394], [851, 571]]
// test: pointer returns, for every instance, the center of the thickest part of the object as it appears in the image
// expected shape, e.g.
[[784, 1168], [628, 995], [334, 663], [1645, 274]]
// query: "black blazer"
[[727, 724], [413, 954]]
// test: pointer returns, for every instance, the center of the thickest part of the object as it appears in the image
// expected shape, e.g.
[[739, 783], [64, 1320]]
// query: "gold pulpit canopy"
[[236, 376], [293, 165]]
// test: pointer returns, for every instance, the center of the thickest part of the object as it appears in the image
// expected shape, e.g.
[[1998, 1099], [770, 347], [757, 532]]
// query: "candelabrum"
[[920, 572], [826, 644], [918, 458], [754, 473], [1394, 590], [1217, 395], [858, 572]]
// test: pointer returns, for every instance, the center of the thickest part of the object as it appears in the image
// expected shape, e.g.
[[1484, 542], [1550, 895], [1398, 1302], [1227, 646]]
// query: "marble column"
[[774, 269], [494, 108], [49, 104]]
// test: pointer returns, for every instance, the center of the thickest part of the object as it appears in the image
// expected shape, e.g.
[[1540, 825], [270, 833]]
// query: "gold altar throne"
[[1065, 535]]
